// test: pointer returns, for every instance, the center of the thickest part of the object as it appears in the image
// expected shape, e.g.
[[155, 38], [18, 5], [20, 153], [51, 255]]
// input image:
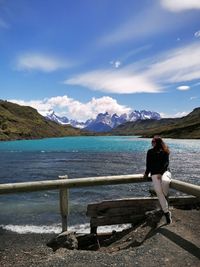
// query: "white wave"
[[110, 228], [37, 229], [56, 228]]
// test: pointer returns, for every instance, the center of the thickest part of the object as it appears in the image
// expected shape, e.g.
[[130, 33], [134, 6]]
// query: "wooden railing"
[[69, 183], [63, 184]]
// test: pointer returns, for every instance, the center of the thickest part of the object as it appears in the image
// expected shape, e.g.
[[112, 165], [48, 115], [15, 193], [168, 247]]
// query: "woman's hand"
[[146, 177]]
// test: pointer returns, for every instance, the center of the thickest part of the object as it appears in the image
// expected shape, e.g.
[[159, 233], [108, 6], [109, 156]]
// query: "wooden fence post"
[[64, 195]]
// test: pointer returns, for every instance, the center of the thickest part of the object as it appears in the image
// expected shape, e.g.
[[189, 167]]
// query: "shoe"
[[168, 217]]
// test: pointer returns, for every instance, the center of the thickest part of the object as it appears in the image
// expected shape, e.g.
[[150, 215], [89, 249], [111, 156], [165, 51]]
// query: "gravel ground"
[[177, 244]]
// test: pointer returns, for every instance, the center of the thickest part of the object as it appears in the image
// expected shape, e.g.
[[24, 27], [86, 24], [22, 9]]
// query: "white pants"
[[161, 187]]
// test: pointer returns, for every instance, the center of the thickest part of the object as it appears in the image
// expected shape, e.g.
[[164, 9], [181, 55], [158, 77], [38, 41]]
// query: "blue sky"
[[82, 57]]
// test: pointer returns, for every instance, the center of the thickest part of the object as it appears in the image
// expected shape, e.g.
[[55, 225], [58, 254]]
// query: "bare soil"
[[177, 244]]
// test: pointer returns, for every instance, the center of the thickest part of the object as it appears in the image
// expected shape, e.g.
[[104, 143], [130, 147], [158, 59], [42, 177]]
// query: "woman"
[[157, 162]]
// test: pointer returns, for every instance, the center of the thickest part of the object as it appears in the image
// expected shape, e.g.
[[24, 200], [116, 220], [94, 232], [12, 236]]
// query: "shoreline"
[[166, 245], [98, 135]]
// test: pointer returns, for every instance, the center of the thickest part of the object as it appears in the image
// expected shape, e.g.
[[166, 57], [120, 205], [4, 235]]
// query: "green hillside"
[[23, 122], [185, 127]]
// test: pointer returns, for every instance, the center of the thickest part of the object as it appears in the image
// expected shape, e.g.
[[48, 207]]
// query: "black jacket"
[[157, 162]]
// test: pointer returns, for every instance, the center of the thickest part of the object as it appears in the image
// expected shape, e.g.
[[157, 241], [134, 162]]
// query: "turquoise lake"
[[33, 160]]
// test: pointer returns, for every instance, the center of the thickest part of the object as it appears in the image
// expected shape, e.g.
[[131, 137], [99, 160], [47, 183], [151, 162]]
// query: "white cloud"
[[41, 105], [183, 88], [40, 62], [147, 22], [135, 51], [179, 65], [180, 5], [108, 104], [197, 34], [74, 109], [116, 63], [115, 81], [148, 76], [176, 115]]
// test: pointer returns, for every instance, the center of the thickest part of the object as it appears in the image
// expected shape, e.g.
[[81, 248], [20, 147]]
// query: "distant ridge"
[[23, 122], [185, 127], [105, 122]]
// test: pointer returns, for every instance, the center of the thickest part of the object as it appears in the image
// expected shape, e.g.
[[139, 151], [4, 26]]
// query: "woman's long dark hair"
[[160, 144]]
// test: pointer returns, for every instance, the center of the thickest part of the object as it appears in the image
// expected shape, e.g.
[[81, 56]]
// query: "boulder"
[[64, 240]]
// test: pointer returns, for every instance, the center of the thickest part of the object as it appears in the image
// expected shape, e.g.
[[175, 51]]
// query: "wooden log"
[[69, 183], [184, 187], [135, 205], [101, 221], [64, 205], [132, 210], [123, 210], [129, 203]]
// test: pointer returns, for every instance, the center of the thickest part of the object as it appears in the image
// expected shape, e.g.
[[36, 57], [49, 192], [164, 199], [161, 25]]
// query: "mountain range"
[[105, 122], [23, 122]]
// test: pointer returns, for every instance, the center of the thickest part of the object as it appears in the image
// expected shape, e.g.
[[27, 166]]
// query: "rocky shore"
[[177, 244]]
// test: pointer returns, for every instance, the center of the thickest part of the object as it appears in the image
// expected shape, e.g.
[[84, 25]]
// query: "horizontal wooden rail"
[[69, 183], [91, 181], [184, 187]]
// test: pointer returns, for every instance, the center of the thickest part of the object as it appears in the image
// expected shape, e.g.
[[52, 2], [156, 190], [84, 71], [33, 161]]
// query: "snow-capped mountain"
[[105, 122], [53, 117], [64, 120], [143, 115], [77, 124]]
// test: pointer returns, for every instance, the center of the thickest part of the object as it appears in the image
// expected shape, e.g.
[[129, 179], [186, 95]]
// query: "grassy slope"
[[185, 127], [21, 122]]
